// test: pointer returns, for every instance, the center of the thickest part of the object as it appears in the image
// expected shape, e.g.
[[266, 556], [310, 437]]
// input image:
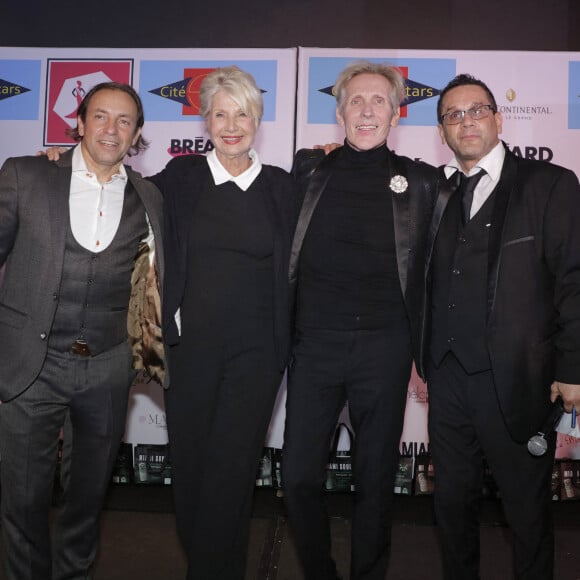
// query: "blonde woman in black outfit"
[[229, 226]]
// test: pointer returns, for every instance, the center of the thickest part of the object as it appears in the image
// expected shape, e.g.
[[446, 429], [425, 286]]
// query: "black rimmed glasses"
[[476, 112]]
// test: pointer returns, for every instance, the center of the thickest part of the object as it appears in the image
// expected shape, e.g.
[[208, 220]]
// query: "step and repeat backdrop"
[[538, 94]]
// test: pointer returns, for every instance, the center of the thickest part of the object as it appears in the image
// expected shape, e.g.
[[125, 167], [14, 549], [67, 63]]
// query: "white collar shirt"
[[244, 180], [492, 163]]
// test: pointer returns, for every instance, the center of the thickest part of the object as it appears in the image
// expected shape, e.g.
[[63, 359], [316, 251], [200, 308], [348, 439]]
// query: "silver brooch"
[[399, 184]]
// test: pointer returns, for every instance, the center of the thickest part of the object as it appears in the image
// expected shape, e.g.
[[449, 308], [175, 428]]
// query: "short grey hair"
[[239, 85], [391, 73]]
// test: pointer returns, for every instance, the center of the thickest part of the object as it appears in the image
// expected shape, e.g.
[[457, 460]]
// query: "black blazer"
[[412, 211], [533, 287], [180, 183]]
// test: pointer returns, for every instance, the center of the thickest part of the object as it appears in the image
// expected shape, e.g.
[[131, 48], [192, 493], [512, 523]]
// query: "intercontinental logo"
[[515, 110]]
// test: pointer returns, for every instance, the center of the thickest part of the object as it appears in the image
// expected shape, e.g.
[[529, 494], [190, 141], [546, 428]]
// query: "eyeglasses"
[[476, 113]]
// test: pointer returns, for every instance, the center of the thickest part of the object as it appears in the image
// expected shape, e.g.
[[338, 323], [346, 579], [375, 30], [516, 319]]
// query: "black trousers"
[[370, 369], [88, 396], [218, 410], [465, 424]]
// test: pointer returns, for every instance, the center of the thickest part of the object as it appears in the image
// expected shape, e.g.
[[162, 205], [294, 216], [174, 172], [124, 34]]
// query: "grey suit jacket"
[[34, 194]]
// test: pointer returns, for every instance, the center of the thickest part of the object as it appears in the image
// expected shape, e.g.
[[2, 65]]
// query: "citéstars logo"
[[170, 89], [424, 79], [574, 95], [185, 91], [19, 89], [67, 83], [8, 89]]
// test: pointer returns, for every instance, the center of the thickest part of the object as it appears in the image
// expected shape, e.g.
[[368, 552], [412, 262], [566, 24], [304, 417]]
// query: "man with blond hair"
[[357, 266]]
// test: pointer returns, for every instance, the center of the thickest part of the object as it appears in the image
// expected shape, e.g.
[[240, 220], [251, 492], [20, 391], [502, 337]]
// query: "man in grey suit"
[[70, 232]]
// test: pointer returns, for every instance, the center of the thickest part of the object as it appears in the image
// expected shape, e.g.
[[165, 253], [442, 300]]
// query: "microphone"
[[537, 444]]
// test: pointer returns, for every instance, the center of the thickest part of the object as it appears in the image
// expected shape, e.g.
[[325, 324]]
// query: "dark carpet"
[[138, 539]]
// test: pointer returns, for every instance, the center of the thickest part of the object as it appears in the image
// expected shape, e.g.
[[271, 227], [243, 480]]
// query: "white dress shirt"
[[95, 208], [492, 163]]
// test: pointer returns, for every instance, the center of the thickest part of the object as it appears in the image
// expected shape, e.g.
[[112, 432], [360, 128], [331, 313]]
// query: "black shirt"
[[229, 285], [348, 276]]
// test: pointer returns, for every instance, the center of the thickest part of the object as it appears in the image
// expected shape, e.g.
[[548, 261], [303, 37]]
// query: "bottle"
[[422, 479], [568, 487]]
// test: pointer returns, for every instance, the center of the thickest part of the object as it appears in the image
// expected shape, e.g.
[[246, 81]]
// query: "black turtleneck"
[[348, 271]]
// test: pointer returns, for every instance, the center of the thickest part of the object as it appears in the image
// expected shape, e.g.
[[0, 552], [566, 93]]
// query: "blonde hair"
[[391, 73], [239, 85]]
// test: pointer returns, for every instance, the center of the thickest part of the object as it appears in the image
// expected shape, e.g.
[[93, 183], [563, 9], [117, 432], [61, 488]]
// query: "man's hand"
[[328, 147], [53, 153], [570, 395]]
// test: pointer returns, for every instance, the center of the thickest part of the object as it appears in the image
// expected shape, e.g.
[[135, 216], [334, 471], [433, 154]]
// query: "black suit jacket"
[[180, 183], [411, 212], [533, 287]]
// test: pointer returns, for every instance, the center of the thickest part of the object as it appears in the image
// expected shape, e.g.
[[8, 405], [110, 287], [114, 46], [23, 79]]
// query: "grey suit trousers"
[[89, 395]]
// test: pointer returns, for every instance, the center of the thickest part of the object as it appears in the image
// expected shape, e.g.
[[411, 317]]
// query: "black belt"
[[81, 348]]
